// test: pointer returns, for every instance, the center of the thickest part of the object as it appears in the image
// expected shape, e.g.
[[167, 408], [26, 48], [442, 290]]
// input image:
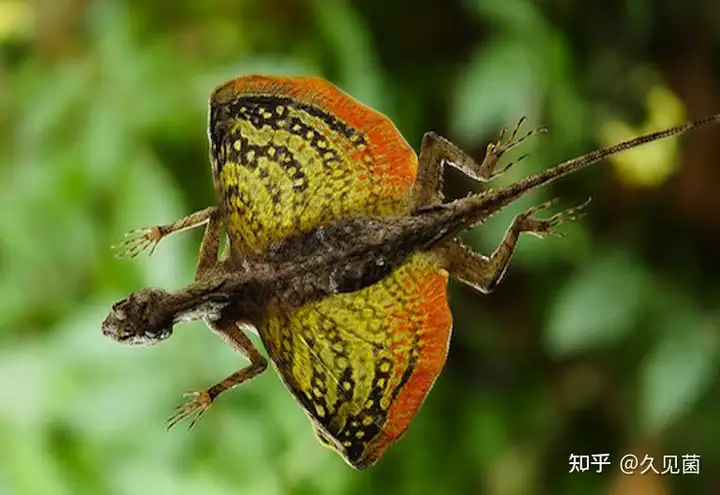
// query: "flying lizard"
[[339, 251]]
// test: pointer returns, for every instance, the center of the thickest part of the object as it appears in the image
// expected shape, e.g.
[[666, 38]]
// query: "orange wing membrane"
[[361, 364], [290, 154]]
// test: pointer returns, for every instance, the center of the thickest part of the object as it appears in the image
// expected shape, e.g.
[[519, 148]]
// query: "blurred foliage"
[[603, 342]]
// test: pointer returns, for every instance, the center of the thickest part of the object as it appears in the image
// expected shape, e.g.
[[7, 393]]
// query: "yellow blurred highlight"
[[648, 483], [652, 164], [16, 20]]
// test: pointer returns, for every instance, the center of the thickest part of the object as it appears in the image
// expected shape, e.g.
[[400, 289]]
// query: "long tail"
[[476, 208]]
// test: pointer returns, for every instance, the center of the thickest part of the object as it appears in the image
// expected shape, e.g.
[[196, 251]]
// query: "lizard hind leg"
[[436, 151], [481, 273], [484, 273]]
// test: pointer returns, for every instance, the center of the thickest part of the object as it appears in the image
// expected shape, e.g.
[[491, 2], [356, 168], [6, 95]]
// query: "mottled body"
[[339, 254]]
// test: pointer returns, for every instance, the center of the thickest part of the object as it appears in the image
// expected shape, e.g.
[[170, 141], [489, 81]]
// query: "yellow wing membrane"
[[362, 363], [290, 154]]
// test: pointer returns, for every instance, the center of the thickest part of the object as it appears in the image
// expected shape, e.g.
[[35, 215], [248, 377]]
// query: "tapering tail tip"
[[491, 201]]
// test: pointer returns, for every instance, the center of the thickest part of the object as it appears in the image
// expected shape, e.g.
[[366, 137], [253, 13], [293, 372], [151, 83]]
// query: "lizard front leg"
[[435, 151], [139, 240], [199, 402], [483, 273], [227, 327], [208, 253]]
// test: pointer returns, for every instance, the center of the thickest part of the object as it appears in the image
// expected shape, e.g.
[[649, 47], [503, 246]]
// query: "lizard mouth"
[[145, 339], [133, 338]]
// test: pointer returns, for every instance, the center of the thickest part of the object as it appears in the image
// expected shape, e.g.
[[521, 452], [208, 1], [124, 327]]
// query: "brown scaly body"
[[340, 250]]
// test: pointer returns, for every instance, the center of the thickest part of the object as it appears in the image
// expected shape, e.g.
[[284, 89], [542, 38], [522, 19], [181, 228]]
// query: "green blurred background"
[[603, 342]]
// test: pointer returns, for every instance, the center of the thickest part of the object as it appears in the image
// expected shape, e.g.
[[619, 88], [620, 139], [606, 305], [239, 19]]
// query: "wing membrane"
[[362, 363], [290, 154]]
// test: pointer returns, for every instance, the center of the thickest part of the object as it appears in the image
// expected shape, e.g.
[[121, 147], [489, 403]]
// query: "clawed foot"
[[137, 241], [544, 228], [195, 404], [496, 149]]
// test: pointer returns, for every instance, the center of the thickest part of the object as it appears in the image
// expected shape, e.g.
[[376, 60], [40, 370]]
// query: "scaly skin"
[[340, 251]]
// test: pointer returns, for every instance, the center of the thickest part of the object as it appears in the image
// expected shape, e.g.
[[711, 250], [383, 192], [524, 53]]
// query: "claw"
[[543, 228], [514, 141], [507, 167], [497, 148], [137, 241], [522, 120], [196, 404], [540, 207], [502, 134]]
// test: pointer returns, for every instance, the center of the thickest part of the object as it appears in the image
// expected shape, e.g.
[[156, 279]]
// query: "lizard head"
[[139, 319]]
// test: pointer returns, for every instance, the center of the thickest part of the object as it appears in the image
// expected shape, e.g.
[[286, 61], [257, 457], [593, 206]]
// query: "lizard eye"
[[118, 309], [119, 313]]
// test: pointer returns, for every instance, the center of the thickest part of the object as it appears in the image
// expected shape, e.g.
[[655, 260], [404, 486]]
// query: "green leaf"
[[677, 370], [598, 306]]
